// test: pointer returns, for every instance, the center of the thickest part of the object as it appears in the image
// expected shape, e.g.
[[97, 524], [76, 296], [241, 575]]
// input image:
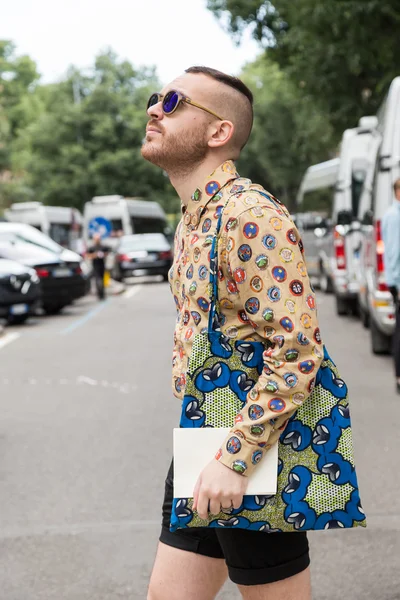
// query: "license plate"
[[62, 273], [19, 309]]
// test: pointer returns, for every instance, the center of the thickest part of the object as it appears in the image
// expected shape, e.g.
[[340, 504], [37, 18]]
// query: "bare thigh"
[[297, 587], [181, 575]]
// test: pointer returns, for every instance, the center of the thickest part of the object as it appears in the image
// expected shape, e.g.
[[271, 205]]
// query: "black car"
[[142, 254], [20, 291], [62, 273]]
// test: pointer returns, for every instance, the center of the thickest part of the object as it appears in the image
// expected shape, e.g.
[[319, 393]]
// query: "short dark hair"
[[233, 82], [396, 185]]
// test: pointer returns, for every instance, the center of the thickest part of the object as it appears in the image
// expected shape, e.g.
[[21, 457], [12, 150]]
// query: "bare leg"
[[297, 587], [181, 575]]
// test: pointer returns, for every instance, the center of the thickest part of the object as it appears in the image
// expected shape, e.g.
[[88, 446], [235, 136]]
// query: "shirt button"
[[194, 220], [187, 218]]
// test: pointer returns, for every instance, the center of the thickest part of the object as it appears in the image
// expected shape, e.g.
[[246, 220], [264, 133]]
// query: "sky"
[[170, 34]]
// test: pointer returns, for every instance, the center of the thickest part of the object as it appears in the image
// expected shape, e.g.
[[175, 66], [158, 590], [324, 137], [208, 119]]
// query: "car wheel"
[[381, 343], [325, 282], [364, 317], [342, 307], [116, 275], [17, 319], [53, 310]]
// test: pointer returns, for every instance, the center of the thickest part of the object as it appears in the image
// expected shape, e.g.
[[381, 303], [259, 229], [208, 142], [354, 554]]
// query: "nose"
[[155, 111]]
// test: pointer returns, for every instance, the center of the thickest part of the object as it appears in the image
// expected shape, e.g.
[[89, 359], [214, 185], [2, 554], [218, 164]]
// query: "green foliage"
[[343, 52], [290, 131], [82, 137]]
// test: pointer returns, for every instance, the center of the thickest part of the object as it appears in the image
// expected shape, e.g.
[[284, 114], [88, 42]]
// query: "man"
[[391, 240], [97, 253], [197, 127]]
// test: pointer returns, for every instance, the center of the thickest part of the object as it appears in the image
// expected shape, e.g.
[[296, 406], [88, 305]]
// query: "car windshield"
[[144, 242], [30, 235]]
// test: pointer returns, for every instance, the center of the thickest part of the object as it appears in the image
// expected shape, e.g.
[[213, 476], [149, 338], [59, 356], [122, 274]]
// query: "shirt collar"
[[207, 191]]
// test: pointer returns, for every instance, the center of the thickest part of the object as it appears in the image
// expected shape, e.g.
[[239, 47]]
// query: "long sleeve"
[[264, 257]]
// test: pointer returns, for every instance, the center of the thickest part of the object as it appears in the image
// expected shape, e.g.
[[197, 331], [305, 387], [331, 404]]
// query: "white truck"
[[63, 224], [125, 216], [374, 297], [337, 240]]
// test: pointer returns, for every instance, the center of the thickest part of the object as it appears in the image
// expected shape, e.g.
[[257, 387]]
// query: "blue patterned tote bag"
[[317, 483]]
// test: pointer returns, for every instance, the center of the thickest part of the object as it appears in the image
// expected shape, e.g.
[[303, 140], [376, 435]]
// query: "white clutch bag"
[[195, 448]]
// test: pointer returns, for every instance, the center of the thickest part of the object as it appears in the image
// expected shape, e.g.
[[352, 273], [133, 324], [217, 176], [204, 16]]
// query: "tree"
[[290, 131], [18, 108], [343, 52], [87, 142]]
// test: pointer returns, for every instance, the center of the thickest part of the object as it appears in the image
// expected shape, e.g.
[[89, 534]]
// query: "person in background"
[[391, 240], [97, 253]]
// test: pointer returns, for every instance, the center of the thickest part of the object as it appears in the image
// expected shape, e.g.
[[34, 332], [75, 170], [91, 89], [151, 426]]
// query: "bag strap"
[[214, 316]]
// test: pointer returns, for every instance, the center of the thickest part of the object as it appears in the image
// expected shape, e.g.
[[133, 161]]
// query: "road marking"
[[92, 313], [8, 338], [132, 291]]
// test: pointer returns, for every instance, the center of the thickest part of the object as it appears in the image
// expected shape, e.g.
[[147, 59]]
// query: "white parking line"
[[132, 291], [8, 338]]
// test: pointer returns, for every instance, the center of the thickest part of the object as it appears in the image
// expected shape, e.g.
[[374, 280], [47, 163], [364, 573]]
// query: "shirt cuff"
[[241, 455]]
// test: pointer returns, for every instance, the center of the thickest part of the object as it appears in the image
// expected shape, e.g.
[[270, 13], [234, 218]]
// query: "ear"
[[220, 134]]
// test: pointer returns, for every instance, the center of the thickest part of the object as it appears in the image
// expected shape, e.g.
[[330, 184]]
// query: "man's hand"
[[218, 487]]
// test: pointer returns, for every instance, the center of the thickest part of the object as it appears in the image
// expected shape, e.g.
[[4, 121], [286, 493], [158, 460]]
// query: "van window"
[[148, 225], [60, 233], [116, 224]]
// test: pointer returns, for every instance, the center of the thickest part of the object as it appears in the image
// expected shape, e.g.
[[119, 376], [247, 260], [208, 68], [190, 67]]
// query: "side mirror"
[[344, 217], [368, 218]]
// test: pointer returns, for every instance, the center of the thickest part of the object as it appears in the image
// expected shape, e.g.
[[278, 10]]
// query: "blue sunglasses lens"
[[170, 102]]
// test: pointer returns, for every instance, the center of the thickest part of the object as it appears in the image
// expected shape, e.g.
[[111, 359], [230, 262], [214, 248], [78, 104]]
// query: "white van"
[[374, 296], [63, 224], [337, 240], [313, 225], [125, 216]]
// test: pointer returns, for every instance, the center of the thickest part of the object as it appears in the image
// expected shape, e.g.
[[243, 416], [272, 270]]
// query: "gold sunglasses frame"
[[183, 98]]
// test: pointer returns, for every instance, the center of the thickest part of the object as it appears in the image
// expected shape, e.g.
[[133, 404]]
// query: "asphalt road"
[[86, 414]]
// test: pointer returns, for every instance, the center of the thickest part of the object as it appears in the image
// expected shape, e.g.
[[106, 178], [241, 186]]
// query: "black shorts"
[[252, 557]]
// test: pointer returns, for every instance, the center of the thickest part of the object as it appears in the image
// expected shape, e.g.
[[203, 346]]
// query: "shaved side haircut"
[[236, 103]]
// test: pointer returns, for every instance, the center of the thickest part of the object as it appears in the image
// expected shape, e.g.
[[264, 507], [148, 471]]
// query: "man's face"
[[180, 141]]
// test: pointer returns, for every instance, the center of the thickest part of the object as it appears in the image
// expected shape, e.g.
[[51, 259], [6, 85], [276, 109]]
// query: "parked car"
[[142, 254], [63, 274], [20, 291], [374, 296]]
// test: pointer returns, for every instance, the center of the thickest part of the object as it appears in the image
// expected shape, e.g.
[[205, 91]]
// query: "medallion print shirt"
[[264, 295]]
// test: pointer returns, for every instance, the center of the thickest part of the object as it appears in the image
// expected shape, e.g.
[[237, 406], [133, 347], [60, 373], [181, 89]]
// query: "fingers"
[[202, 504], [237, 501], [215, 506], [208, 503], [196, 493]]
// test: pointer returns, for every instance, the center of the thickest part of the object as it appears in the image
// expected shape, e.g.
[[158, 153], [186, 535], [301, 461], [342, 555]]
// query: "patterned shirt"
[[264, 295]]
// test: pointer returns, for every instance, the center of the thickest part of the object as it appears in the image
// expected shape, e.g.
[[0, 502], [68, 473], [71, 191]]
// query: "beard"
[[177, 153]]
